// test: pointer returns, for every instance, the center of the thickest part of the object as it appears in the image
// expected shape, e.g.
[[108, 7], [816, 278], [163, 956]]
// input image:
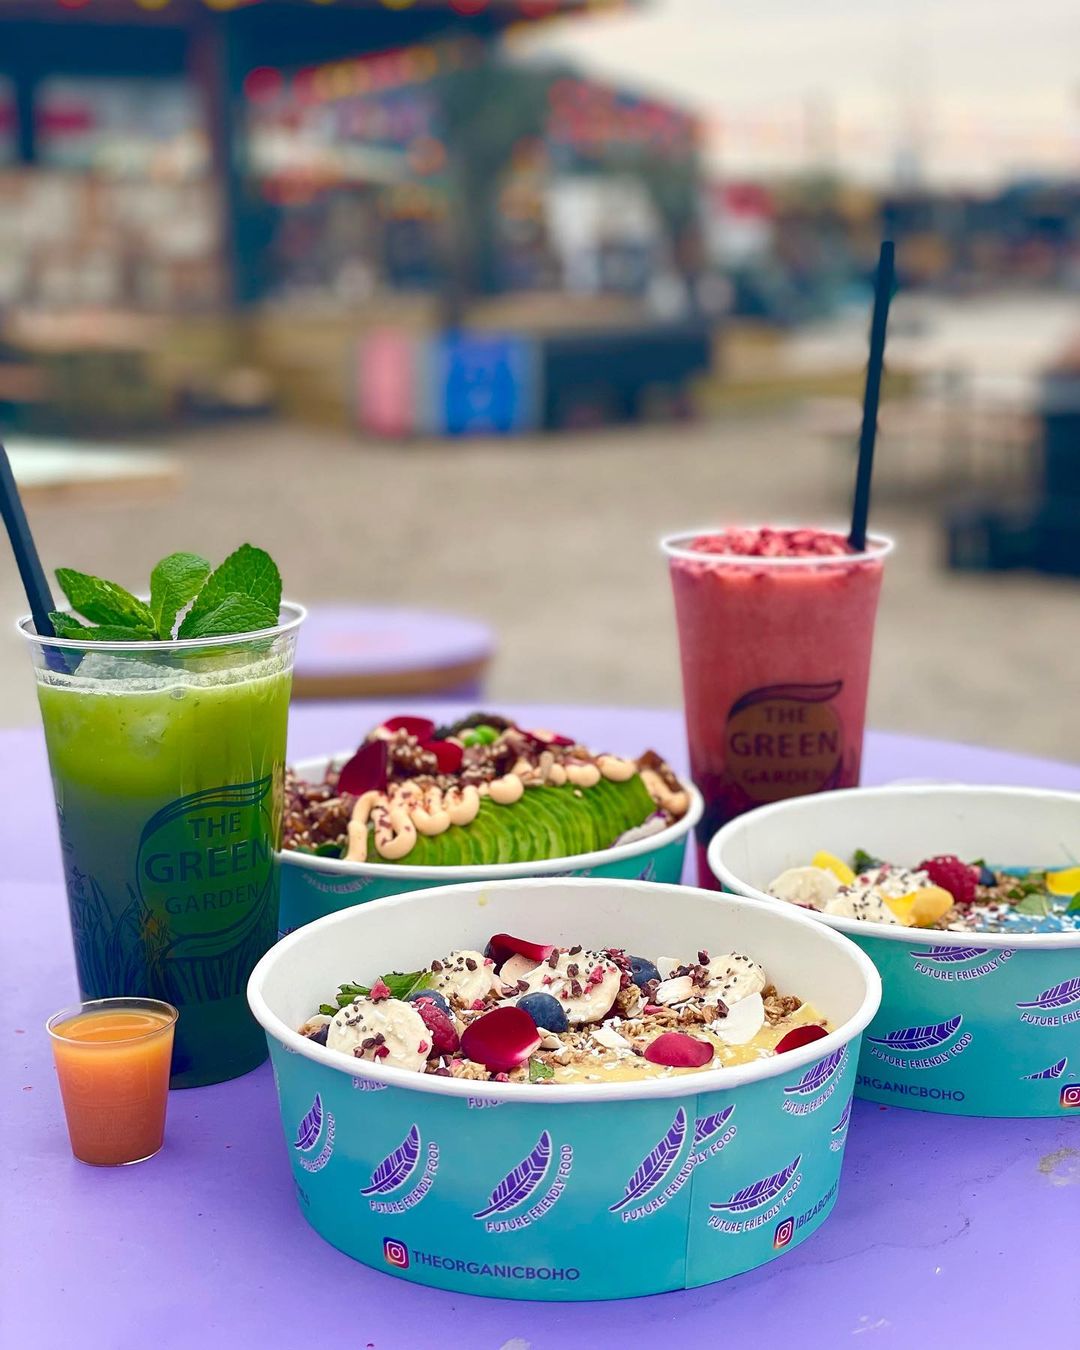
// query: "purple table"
[[942, 1230]]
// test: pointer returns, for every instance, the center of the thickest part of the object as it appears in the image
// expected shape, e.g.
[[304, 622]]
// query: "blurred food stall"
[[206, 206]]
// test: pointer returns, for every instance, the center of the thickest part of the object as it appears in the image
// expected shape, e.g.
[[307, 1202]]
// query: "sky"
[[958, 91]]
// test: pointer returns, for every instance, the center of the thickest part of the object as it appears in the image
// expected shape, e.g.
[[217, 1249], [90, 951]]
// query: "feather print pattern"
[[1059, 996], [1052, 1071], [309, 1129], [656, 1164], [842, 1123], [946, 955], [817, 1075], [919, 1038], [397, 1167], [706, 1126], [521, 1181], [761, 1192]]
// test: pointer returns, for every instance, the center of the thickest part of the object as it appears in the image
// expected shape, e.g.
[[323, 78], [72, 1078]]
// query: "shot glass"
[[112, 1059]]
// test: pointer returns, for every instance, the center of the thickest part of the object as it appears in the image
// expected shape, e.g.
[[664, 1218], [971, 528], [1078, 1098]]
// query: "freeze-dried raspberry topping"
[[767, 542], [952, 875]]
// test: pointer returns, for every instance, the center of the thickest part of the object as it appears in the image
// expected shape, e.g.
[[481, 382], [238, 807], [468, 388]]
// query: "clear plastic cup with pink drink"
[[776, 626]]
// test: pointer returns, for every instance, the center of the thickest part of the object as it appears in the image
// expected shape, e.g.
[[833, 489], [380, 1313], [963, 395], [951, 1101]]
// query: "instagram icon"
[[1070, 1096], [395, 1253], [784, 1233]]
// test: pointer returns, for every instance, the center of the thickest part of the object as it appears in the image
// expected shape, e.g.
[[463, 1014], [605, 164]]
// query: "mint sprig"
[[174, 583], [236, 614], [249, 573], [243, 595], [106, 602]]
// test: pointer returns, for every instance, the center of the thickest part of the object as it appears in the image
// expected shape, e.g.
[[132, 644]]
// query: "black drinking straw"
[[883, 289], [25, 550]]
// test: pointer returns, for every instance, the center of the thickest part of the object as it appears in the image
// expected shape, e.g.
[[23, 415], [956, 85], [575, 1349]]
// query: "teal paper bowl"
[[971, 1024], [574, 1191], [313, 887]]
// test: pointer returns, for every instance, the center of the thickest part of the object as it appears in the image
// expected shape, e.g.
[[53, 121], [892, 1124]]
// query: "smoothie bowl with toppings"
[[583, 1072], [968, 901], [480, 799]]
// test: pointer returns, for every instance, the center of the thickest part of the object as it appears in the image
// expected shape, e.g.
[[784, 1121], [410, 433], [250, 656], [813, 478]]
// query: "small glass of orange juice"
[[112, 1058]]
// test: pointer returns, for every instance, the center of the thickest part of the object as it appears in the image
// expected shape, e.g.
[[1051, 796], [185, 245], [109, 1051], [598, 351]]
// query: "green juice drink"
[[167, 762]]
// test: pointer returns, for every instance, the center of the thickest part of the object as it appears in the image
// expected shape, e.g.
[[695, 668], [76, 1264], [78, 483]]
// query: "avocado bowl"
[[972, 1023], [313, 886], [564, 1192]]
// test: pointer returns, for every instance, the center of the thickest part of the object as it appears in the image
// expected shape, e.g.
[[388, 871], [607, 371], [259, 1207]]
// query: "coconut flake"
[[677, 990], [743, 1021]]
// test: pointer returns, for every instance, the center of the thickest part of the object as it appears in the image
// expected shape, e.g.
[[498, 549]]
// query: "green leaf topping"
[[863, 862], [250, 572], [243, 595], [1037, 904], [328, 1009], [237, 613], [401, 986], [538, 1071], [107, 603], [1073, 906], [66, 626], [174, 583]]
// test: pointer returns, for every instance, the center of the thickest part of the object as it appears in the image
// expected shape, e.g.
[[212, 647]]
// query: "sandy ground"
[[553, 542]]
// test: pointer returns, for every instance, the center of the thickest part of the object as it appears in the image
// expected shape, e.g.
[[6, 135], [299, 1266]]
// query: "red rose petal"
[[420, 727], [503, 945], [448, 755], [366, 771], [797, 1037], [501, 1040], [679, 1051]]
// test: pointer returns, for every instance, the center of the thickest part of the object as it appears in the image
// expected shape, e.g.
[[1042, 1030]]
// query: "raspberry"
[[953, 876], [444, 1038]]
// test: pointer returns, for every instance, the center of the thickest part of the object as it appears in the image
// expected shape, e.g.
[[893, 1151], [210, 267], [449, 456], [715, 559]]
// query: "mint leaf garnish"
[[327, 1009], [1073, 906], [1037, 905], [249, 571], [538, 1071], [401, 986], [235, 614], [66, 626], [346, 994], [864, 862], [174, 583], [107, 603]]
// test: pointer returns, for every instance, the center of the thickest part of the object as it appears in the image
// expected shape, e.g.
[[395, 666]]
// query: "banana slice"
[[465, 975], [867, 906], [568, 980], [388, 1031], [733, 977], [814, 886]]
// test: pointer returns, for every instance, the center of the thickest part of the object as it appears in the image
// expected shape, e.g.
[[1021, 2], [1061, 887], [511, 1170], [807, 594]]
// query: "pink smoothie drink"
[[775, 632]]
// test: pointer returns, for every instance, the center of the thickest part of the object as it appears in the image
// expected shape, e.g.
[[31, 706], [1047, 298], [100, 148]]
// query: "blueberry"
[[986, 877], [547, 1012], [642, 971], [432, 994]]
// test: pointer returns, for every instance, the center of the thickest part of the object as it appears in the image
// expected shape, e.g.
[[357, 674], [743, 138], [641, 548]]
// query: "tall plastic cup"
[[775, 663], [168, 763]]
